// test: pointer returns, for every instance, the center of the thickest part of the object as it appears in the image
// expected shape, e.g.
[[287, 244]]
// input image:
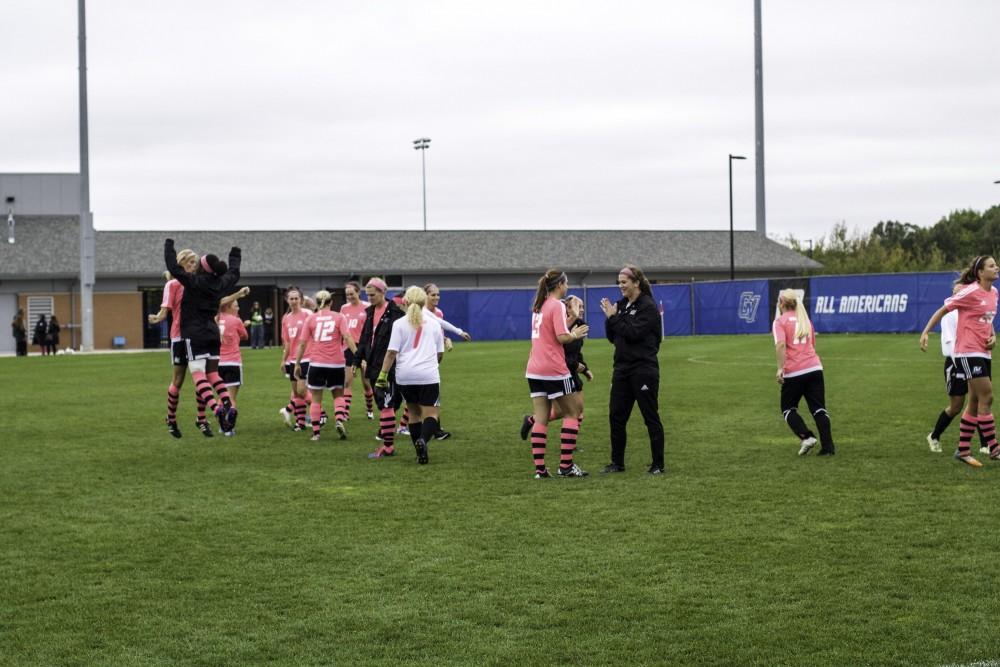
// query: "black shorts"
[[231, 374], [550, 389], [324, 377], [290, 370], [955, 383], [202, 349], [974, 367], [577, 383], [388, 397], [421, 394], [809, 385], [179, 352]]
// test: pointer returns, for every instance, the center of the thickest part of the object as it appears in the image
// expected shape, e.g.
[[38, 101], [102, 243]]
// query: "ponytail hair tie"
[[204, 265]]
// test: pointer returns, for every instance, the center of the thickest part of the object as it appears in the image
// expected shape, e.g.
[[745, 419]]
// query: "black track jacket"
[[373, 348], [202, 293], [635, 332]]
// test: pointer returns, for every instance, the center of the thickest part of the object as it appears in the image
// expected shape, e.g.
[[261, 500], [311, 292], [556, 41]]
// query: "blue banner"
[[883, 303], [732, 307]]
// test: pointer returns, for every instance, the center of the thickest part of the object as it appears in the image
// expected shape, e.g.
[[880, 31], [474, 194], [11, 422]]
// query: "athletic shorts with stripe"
[[955, 383], [231, 374], [421, 394], [974, 367], [178, 352], [551, 389], [325, 377]]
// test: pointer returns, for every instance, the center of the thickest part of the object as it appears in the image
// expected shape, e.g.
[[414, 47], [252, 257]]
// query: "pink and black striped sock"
[[203, 389], [369, 396], [567, 443], [173, 397], [299, 408], [201, 408], [966, 429], [988, 427], [539, 434], [315, 412], [348, 395], [219, 385], [387, 427], [340, 409]]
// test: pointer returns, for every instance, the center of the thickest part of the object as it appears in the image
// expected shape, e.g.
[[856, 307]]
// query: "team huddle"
[[396, 345]]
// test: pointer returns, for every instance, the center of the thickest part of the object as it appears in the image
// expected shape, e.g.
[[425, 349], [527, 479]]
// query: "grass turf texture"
[[121, 545]]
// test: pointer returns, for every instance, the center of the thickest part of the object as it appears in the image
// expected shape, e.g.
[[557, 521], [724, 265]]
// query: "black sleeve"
[[638, 326], [232, 275], [366, 335], [170, 257]]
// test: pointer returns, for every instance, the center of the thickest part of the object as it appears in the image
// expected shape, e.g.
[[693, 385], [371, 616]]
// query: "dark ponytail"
[[971, 273], [215, 265], [548, 282]]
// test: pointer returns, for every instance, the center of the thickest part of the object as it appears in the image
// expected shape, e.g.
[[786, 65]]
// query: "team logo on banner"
[[748, 307]]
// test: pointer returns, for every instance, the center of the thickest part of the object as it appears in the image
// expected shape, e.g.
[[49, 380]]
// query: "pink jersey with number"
[[976, 308], [547, 360], [324, 329], [173, 292], [800, 353], [233, 331], [291, 330], [355, 317]]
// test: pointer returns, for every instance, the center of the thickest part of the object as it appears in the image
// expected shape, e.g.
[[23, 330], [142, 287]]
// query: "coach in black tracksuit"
[[634, 327]]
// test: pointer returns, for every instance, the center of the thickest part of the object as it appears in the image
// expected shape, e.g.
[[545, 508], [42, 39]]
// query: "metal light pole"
[[87, 245], [422, 145], [732, 250], [758, 69]]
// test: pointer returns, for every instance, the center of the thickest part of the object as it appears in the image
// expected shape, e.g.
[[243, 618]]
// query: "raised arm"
[[232, 275], [935, 318], [170, 257]]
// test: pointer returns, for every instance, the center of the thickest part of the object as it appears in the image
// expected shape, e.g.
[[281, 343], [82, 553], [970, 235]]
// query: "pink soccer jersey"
[[325, 331], [547, 360], [291, 329], [800, 353], [355, 318], [233, 331], [976, 310], [173, 292]]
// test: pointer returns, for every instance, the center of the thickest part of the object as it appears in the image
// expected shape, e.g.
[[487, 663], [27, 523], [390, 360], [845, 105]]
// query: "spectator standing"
[[268, 327], [20, 333], [633, 326], [256, 328], [52, 335], [38, 338]]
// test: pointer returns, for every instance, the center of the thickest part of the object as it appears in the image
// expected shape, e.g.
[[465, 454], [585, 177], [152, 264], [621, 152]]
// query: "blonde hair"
[[803, 327], [415, 299], [185, 255], [323, 299]]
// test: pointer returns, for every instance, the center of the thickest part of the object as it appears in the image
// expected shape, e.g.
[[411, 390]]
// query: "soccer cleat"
[[655, 470], [229, 434], [806, 446], [315, 437], [526, 425], [995, 456], [287, 416], [341, 430], [542, 474], [382, 452], [403, 430], [172, 429], [378, 436], [231, 414], [572, 471], [984, 450], [826, 452], [205, 429], [933, 443], [968, 460], [612, 467], [370, 415], [442, 435], [323, 419], [298, 427], [421, 448], [221, 413]]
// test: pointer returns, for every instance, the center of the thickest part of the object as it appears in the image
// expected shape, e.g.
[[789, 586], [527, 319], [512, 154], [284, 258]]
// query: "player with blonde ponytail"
[[800, 373], [415, 348], [326, 334]]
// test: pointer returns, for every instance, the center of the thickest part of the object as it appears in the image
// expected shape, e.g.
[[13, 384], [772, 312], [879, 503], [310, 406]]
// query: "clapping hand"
[[609, 308]]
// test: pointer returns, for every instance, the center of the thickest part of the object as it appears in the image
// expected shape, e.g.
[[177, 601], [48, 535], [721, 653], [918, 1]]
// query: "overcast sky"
[[249, 114]]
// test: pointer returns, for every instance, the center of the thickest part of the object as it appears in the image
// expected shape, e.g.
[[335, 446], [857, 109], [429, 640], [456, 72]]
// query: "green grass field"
[[122, 546]]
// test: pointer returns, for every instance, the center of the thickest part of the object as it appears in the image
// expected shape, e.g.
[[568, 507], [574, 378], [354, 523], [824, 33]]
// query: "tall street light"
[[732, 251], [422, 145]]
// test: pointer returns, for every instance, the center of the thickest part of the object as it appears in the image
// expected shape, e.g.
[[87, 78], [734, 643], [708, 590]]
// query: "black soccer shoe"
[[656, 470], [421, 448], [442, 435], [612, 467], [172, 429], [205, 429], [526, 425]]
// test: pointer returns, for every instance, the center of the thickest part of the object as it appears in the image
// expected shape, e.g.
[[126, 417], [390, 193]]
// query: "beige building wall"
[[115, 314]]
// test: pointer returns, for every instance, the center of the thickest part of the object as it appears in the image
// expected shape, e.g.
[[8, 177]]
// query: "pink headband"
[[628, 272], [204, 265], [378, 284]]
